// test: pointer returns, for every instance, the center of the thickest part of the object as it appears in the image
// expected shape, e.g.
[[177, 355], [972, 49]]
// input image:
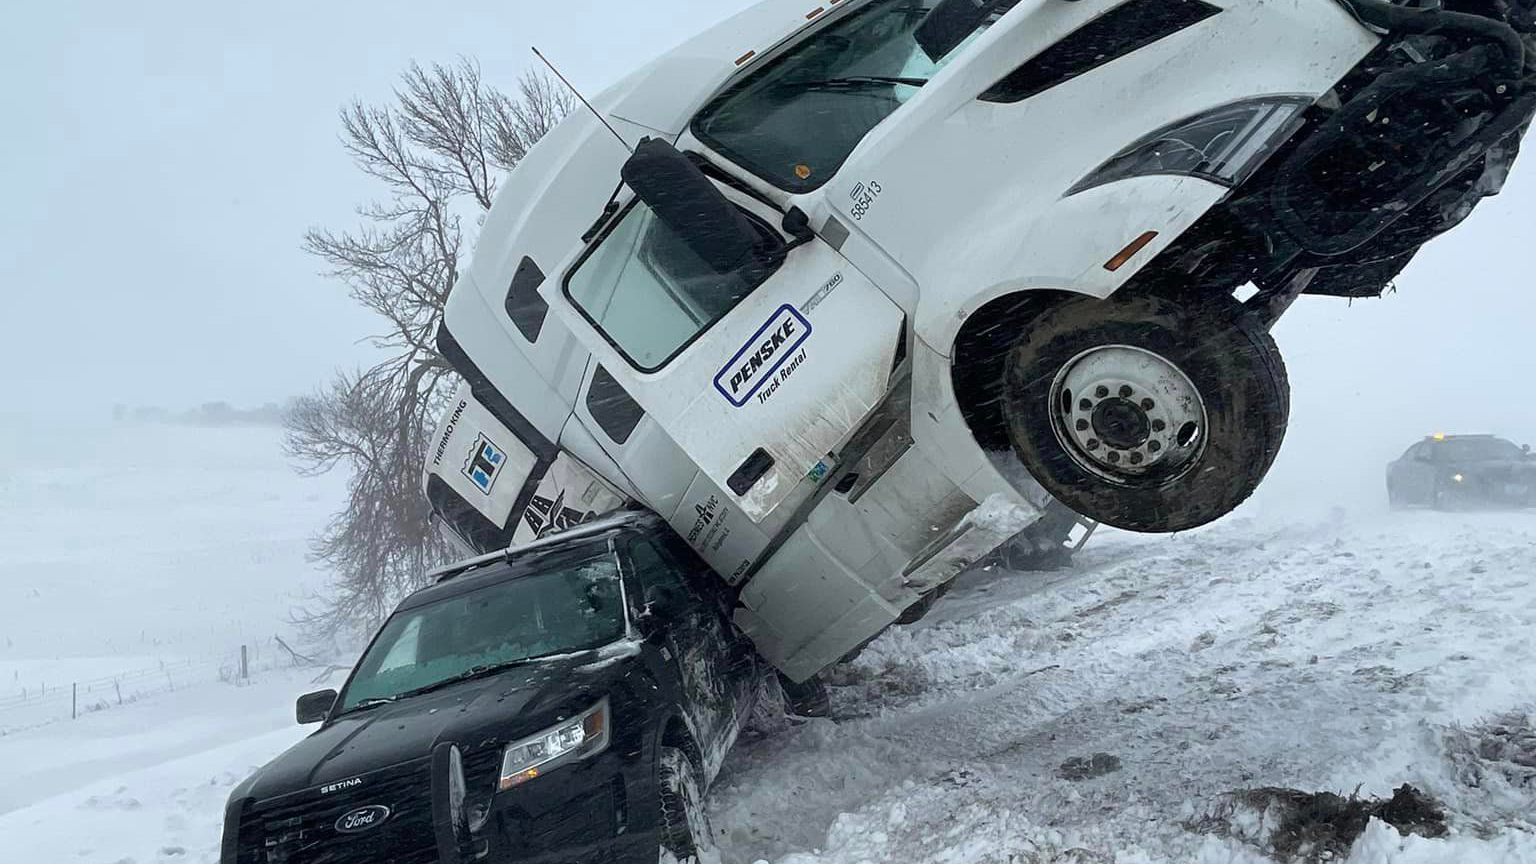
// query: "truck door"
[[759, 374]]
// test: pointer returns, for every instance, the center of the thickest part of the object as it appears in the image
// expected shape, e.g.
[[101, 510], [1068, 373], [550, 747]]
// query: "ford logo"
[[362, 819]]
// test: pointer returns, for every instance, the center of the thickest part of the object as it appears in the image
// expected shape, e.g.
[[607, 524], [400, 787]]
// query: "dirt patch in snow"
[[1294, 826], [1088, 767], [1495, 762]]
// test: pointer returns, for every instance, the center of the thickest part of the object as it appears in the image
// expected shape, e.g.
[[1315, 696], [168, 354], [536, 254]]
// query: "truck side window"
[[612, 407], [524, 305], [649, 294]]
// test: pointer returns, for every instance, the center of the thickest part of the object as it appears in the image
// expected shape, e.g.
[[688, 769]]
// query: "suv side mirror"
[[315, 707], [661, 604], [686, 202]]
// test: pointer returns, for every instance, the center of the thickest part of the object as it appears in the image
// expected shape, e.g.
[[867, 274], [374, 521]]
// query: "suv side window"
[[655, 569], [705, 582]]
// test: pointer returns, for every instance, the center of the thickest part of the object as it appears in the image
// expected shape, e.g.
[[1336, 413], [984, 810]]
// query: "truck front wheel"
[[1147, 414]]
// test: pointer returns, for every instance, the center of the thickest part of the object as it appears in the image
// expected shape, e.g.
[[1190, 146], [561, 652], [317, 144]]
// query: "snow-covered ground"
[[1322, 657], [144, 556]]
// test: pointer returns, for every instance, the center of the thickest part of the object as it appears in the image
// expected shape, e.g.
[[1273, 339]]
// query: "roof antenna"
[[583, 99]]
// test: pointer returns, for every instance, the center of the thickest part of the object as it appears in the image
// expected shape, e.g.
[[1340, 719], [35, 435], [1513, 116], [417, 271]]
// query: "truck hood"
[[665, 94], [473, 714]]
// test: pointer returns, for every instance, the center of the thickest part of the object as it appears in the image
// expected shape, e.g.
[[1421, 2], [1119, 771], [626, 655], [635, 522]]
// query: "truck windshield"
[[795, 122], [572, 606]]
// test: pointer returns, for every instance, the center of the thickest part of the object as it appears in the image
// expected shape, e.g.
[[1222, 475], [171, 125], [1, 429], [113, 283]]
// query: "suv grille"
[[301, 828]]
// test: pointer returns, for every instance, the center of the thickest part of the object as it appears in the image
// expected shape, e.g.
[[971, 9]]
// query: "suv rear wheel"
[[1147, 413]]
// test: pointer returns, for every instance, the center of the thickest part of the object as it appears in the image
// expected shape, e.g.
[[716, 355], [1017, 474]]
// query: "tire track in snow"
[[1210, 662]]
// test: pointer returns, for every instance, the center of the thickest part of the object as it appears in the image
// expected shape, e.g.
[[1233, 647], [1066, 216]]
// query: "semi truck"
[[851, 292]]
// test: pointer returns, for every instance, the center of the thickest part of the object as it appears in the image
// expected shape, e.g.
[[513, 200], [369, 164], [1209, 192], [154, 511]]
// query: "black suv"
[[1453, 471], [566, 701]]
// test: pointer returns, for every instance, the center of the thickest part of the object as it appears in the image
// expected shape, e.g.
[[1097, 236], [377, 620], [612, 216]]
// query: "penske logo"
[[757, 361]]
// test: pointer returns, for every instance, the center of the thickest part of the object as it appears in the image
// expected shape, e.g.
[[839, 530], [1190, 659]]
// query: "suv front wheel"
[[1148, 414], [684, 825]]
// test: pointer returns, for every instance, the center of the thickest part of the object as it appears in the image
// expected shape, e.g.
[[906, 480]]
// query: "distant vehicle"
[[796, 283], [1451, 471], [570, 700]]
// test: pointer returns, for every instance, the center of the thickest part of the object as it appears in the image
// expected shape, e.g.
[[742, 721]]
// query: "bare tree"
[[437, 150]]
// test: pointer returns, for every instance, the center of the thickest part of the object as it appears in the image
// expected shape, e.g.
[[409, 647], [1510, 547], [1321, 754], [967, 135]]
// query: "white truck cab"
[[849, 291]]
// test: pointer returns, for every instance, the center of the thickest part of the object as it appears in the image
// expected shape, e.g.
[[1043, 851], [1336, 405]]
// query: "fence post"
[[116, 685], [74, 701], [245, 664]]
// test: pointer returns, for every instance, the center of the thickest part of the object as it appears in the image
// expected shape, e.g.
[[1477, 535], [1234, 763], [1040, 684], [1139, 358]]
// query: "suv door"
[[1418, 470], [702, 644]]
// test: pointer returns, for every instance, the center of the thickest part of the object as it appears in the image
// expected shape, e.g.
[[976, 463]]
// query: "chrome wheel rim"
[[1129, 416]]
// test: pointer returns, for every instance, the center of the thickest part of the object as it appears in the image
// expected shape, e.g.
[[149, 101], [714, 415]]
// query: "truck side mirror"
[[315, 707], [950, 23], [685, 201]]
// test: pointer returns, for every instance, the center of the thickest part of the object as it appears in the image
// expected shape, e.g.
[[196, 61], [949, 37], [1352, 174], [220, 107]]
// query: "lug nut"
[[1126, 391], [1102, 392], [1158, 425], [1154, 446], [1136, 458], [1082, 425], [1148, 404], [1085, 405], [1093, 443], [1114, 457]]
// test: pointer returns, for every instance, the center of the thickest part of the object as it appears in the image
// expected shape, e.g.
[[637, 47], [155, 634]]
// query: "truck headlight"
[[1224, 145], [577, 738]]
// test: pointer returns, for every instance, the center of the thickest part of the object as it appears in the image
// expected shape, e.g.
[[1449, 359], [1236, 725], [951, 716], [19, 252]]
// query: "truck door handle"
[[751, 471]]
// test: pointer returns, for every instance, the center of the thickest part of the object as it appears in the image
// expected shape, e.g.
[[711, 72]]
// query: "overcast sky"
[[162, 160]]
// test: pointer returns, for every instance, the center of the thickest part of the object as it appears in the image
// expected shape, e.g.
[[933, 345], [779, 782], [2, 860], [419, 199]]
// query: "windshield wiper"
[[490, 669], [852, 82], [468, 674], [368, 703]]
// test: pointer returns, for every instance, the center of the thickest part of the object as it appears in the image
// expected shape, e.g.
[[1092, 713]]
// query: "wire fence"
[[25, 707]]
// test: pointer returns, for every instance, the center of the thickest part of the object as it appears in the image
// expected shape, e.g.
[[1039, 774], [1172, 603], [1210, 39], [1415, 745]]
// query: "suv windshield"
[[795, 122], [572, 606], [1478, 450]]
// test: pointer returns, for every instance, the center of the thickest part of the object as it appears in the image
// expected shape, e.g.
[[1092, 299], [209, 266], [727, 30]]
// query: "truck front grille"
[[302, 828]]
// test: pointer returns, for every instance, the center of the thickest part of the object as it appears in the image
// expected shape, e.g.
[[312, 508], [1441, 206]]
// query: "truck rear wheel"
[[1147, 414]]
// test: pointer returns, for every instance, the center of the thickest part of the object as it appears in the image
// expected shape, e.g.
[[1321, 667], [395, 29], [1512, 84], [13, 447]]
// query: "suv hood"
[[474, 714]]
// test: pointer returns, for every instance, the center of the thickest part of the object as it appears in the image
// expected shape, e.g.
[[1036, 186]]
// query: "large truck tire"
[[1149, 414]]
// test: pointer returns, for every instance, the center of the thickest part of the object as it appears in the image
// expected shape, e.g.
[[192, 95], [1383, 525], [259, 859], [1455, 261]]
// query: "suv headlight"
[[584, 735], [1224, 145]]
